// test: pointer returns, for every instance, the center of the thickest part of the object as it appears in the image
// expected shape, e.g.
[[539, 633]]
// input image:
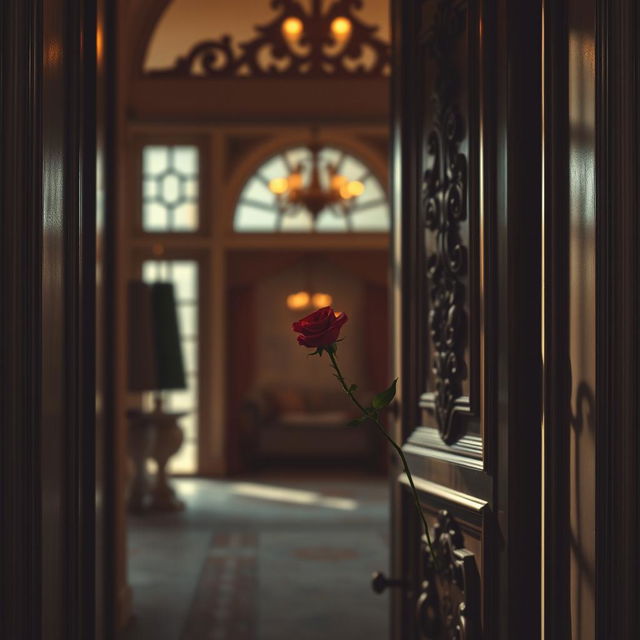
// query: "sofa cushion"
[[287, 401]]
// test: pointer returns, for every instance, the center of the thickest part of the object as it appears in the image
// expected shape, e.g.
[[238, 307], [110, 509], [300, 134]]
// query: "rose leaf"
[[383, 398]]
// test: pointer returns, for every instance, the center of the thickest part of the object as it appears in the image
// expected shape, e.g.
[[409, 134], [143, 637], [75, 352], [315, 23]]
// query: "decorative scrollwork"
[[448, 607], [444, 205], [317, 51]]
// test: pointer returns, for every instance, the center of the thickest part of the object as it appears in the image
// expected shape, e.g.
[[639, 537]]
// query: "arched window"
[[276, 198]]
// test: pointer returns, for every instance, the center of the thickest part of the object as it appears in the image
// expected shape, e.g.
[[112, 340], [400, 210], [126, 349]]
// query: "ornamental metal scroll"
[[316, 53], [448, 606], [444, 207]]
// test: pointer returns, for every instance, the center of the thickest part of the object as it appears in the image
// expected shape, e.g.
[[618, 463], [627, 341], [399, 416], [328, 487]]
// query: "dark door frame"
[[54, 126]]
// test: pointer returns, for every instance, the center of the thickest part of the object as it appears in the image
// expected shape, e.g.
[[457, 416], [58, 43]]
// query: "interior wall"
[[281, 362]]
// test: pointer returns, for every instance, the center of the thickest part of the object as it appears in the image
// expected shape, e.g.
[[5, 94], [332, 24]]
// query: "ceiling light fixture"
[[315, 186]]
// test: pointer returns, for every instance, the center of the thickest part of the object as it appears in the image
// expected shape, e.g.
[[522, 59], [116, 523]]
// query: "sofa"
[[305, 426]]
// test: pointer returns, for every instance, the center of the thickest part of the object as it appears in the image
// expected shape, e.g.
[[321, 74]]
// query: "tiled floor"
[[262, 558]]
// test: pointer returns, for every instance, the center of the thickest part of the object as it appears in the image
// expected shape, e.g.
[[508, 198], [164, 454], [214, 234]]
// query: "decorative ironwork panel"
[[448, 606], [297, 42]]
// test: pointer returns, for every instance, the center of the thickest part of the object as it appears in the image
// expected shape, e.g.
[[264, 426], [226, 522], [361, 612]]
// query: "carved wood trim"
[[467, 451], [444, 207], [270, 54], [449, 603], [457, 212]]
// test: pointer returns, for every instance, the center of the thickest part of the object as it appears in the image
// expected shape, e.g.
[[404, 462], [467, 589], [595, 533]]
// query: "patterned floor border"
[[224, 604]]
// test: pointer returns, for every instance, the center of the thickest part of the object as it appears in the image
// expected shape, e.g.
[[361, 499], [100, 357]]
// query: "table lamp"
[[155, 364]]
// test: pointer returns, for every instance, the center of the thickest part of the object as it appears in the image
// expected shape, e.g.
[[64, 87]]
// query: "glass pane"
[[170, 188], [372, 192], [328, 221], [185, 279], [187, 320], [185, 217], [372, 219], [301, 222], [183, 400], [155, 217], [258, 210], [274, 168], [189, 354], [150, 187], [170, 192], [191, 189], [257, 190], [150, 271], [186, 160], [155, 159], [249, 218]]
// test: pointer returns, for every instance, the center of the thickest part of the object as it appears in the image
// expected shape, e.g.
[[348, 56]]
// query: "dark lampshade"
[[155, 355]]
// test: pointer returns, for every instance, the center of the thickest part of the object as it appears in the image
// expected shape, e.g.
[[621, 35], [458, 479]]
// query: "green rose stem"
[[372, 415]]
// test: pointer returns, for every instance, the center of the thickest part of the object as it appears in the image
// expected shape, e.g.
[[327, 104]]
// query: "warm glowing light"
[[319, 300], [278, 185], [295, 181], [351, 189], [99, 43], [355, 188], [338, 181], [292, 28], [298, 300], [341, 27]]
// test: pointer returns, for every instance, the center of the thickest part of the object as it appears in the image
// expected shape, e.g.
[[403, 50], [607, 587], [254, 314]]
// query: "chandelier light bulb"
[[337, 181], [292, 28], [341, 28], [295, 181], [355, 188], [278, 185], [298, 300], [319, 300]]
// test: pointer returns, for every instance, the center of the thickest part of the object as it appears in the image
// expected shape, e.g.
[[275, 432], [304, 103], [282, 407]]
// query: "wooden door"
[[467, 198]]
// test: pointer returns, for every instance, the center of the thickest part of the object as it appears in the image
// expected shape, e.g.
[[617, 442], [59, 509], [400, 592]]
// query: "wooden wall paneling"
[[616, 68]]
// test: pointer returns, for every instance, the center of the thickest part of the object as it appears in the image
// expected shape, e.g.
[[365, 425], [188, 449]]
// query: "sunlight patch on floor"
[[295, 496]]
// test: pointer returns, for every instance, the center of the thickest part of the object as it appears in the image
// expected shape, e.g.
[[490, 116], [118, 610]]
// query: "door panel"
[[466, 190]]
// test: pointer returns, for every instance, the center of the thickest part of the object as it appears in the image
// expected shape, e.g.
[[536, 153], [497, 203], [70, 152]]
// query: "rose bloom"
[[320, 328]]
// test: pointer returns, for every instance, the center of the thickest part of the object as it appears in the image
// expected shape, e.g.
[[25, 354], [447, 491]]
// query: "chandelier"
[[315, 186]]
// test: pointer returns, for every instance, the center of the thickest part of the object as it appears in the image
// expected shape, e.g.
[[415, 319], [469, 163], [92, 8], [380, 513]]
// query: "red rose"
[[320, 328]]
